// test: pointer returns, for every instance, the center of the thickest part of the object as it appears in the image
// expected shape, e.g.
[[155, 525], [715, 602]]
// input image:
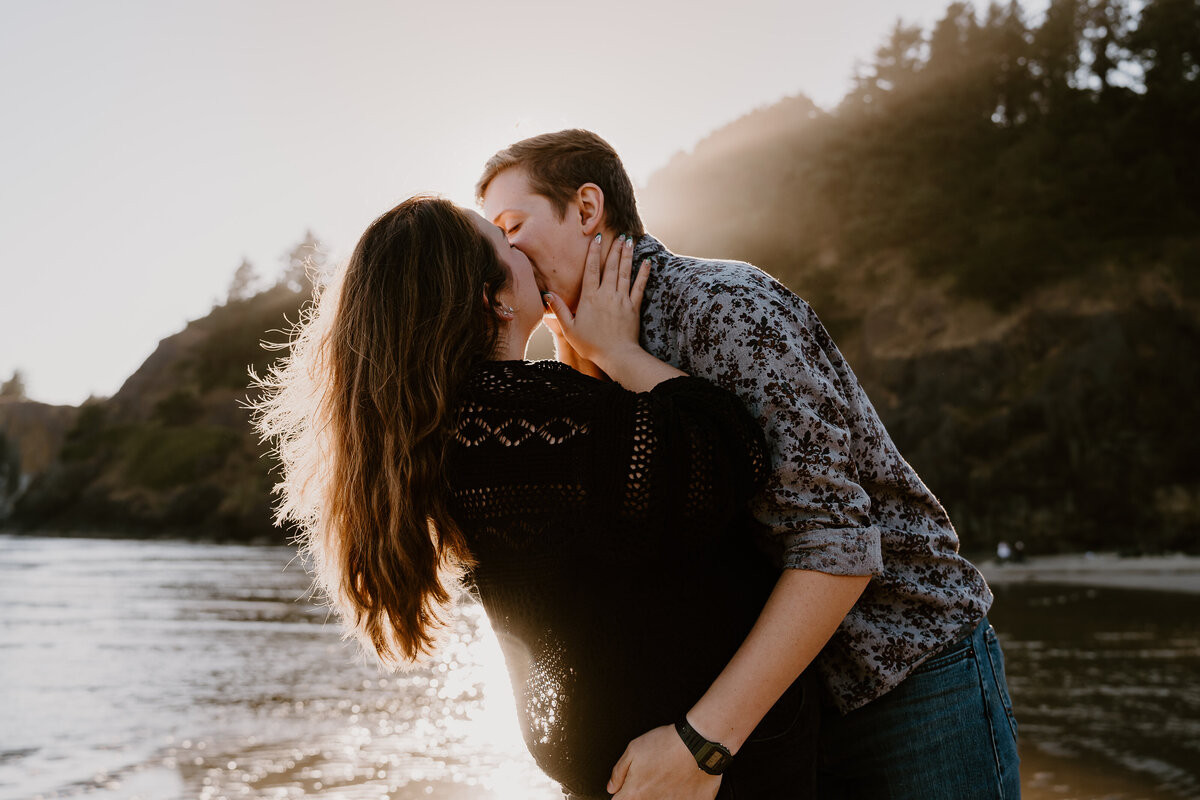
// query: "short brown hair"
[[557, 164]]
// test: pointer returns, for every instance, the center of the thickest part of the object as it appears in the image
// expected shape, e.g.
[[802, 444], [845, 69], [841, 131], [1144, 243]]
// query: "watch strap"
[[711, 757]]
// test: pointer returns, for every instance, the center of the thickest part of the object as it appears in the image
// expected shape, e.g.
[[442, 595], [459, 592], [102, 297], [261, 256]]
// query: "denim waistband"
[[963, 641]]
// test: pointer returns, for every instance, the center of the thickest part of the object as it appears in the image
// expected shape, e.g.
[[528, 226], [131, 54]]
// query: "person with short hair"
[[872, 592], [603, 525]]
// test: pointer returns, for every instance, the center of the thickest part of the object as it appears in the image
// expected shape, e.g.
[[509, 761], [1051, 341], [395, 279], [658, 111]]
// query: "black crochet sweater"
[[614, 553]]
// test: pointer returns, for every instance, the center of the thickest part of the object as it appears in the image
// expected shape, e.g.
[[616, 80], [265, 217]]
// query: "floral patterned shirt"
[[840, 498]]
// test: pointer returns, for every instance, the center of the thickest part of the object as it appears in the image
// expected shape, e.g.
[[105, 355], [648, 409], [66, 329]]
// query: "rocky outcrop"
[[172, 453], [31, 438]]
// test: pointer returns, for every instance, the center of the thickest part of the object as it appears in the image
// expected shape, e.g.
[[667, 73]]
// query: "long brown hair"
[[360, 411]]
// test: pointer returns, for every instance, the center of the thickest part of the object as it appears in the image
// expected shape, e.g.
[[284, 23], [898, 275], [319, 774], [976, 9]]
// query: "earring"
[[508, 312]]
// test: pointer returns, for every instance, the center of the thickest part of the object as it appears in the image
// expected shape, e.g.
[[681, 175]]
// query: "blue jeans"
[[947, 731]]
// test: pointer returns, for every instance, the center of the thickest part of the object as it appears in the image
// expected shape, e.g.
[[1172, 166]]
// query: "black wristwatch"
[[711, 757]]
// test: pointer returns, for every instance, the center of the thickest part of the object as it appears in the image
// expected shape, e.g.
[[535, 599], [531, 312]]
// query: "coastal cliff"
[[172, 452], [999, 226]]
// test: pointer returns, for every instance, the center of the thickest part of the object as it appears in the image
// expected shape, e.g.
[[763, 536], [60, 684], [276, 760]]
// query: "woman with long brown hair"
[[602, 524]]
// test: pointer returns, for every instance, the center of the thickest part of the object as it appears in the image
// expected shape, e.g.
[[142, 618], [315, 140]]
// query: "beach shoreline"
[[1169, 573]]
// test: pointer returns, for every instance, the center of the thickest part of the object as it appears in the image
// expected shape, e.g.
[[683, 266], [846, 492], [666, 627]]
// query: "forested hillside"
[[172, 453], [1000, 224]]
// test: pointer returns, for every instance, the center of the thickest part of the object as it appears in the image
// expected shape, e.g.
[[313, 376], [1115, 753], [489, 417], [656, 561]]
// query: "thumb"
[[620, 772], [565, 318]]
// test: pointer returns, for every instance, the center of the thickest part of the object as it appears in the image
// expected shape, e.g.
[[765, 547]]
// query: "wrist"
[[616, 358], [710, 722], [710, 756]]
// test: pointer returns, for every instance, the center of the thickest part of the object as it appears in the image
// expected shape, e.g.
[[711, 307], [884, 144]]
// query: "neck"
[[512, 344]]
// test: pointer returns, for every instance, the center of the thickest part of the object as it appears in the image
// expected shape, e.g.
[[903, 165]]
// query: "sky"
[[147, 148]]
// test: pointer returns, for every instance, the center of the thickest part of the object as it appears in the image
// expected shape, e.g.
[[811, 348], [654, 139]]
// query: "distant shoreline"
[[159, 537], [1169, 573]]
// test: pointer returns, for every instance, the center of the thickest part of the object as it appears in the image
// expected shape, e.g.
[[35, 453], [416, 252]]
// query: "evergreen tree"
[[14, 387], [304, 262], [950, 41], [1167, 42], [10, 472], [1105, 34], [1056, 55], [242, 286], [1007, 48], [892, 72]]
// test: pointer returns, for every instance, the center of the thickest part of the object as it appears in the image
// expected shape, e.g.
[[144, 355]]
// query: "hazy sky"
[[146, 147]]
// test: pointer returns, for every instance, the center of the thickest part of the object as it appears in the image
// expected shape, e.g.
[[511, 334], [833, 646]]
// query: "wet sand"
[[1169, 573]]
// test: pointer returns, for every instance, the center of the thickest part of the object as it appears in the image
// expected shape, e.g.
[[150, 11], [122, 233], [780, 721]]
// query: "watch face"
[[712, 758]]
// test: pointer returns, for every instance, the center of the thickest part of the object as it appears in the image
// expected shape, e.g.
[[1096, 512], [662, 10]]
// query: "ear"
[[589, 200], [502, 309]]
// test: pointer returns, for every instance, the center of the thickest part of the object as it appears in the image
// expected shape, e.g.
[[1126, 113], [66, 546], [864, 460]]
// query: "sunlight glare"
[[494, 721]]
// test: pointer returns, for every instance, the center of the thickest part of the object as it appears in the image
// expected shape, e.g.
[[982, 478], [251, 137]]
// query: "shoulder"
[[518, 402], [527, 384], [694, 291]]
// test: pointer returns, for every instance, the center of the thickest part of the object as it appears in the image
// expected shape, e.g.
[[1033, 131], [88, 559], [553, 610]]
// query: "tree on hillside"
[[14, 387], [1167, 39], [1106, 25], [1056, 55], [303, 263], [950, 40], [243, 284], [10, 472], [1006, 41], [893, 71], [1166, 43]]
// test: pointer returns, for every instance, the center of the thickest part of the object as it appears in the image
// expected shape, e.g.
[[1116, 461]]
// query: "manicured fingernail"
[[598, 235], [629, 241], [547, 296]]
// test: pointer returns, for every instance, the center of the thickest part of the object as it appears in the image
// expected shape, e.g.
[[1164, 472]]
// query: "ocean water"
[[154, 670], [1106, 688], [166, 670]]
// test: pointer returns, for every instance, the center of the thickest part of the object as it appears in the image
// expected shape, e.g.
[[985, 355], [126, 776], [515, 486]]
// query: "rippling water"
[[1106, 688], [170, 670]]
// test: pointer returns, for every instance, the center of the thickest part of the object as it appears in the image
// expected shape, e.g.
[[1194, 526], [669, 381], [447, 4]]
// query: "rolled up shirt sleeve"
[[766, 345]]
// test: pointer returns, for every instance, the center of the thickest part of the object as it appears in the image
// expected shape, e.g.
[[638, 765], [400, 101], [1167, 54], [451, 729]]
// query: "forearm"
[[635, 369], [565, 353], [803, 611], [801, 614]]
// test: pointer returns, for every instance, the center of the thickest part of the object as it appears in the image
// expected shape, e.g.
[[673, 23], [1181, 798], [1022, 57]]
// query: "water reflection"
[[1106, 686], [135, 669], [172, 670]]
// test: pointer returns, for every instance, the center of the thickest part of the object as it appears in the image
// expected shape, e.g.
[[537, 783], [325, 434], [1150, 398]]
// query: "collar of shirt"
[[650, 248]]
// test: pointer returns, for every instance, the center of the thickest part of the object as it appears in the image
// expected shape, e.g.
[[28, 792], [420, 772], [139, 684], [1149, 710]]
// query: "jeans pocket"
[[789, 709], [951, 655], [996, 659], [779, 759]]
